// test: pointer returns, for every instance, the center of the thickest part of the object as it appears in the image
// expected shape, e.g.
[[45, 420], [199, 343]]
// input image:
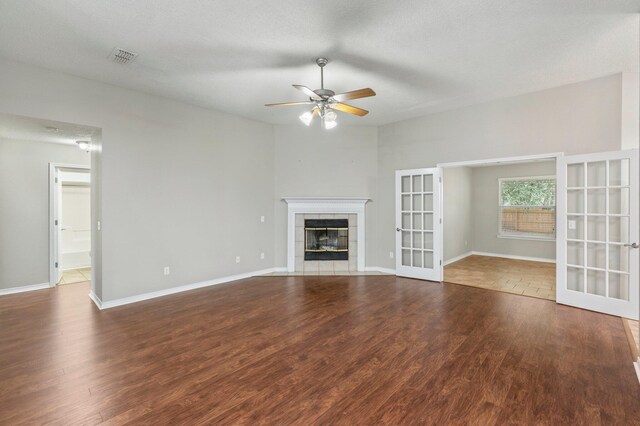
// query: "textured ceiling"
[[419, 56]]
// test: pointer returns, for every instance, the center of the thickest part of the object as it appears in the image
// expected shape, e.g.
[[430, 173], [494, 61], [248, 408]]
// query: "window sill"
[[525, 237]]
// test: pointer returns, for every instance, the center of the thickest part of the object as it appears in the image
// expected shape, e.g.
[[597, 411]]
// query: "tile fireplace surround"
[[301, 208]]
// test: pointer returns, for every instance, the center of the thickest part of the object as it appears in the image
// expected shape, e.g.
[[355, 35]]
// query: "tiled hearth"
[[301, 209]]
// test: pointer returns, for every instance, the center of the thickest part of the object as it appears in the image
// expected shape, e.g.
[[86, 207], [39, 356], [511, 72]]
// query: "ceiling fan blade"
[[349, 109], [310, 93], [290, 103], [354, 94]]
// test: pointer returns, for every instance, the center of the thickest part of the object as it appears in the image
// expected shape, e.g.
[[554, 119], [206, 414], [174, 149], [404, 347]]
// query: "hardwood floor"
[[535, 279], [313, 350]]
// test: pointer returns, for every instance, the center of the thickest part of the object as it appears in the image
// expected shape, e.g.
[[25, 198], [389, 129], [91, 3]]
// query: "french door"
[[598, 232], [418, 248]]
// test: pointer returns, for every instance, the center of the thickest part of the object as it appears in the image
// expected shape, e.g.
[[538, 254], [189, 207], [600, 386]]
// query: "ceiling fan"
[[325, 101]]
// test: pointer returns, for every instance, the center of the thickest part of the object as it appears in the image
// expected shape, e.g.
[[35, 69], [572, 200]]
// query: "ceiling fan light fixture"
[[326, 101], [329, 119], [306, 118], [330, 124], [330, 116]]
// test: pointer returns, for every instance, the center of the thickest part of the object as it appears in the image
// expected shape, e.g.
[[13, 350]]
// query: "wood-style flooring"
[[313, 350], [535, 279]]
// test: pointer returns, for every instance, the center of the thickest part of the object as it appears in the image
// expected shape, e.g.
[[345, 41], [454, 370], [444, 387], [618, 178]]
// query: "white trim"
[[511, 256], [173, 290], [455, 259], [380, 269], [22, 289], [53, 210], [637, 366], [309, 205], [503, 160], [95, 299]]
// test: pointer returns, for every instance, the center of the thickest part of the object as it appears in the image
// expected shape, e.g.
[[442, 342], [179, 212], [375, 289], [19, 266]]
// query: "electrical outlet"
[[237, 259], [390, 255], [262, 256], [262, 219], [167, 271]]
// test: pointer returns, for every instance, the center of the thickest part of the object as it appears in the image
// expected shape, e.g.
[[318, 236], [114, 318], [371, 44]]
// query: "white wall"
[[457, 206], [179, 186], [24, 208], [485, 216], [577, 118], [313, 162]]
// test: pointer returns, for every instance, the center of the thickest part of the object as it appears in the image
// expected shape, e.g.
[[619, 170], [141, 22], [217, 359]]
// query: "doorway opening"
[[72, 223], [499, 225]]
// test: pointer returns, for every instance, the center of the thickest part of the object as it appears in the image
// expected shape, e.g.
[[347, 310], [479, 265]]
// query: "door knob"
[[633, 245], [398, 229]]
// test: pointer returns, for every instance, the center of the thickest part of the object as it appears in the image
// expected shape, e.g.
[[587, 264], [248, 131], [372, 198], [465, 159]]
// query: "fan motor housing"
[[324, 93]]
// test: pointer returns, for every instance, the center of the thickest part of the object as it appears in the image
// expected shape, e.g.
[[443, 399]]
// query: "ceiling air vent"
[[121, 56]]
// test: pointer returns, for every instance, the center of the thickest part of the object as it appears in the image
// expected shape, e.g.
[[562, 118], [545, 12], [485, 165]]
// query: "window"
[[527, 207]]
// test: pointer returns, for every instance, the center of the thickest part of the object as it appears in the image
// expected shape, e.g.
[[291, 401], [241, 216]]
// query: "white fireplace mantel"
[[309, 205]]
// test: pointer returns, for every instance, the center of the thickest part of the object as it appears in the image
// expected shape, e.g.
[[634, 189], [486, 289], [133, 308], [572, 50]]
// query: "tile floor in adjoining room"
[[534, 279], [72, 276]]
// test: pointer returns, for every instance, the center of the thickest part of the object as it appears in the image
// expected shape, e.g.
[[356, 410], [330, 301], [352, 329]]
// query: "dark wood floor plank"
[[313, 350]]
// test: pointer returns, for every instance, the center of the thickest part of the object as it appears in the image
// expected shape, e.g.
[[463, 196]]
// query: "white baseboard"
[[509, 256], [173, 290], [380, 269], [95, 299], [637, 366], [21, 289], [455, 259]]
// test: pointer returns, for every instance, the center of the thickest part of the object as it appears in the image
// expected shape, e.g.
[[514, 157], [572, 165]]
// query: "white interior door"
[[418, 224], [598, 232]]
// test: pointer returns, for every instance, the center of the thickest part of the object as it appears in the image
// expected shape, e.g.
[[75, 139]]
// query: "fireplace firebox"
[[326, 239]]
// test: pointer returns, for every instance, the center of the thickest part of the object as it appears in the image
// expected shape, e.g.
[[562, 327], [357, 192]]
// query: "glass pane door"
[[597, 262], [417, 221]]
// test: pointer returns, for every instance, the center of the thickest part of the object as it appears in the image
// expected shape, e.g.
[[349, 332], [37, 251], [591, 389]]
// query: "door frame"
[[490, 161], [54, 203]]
